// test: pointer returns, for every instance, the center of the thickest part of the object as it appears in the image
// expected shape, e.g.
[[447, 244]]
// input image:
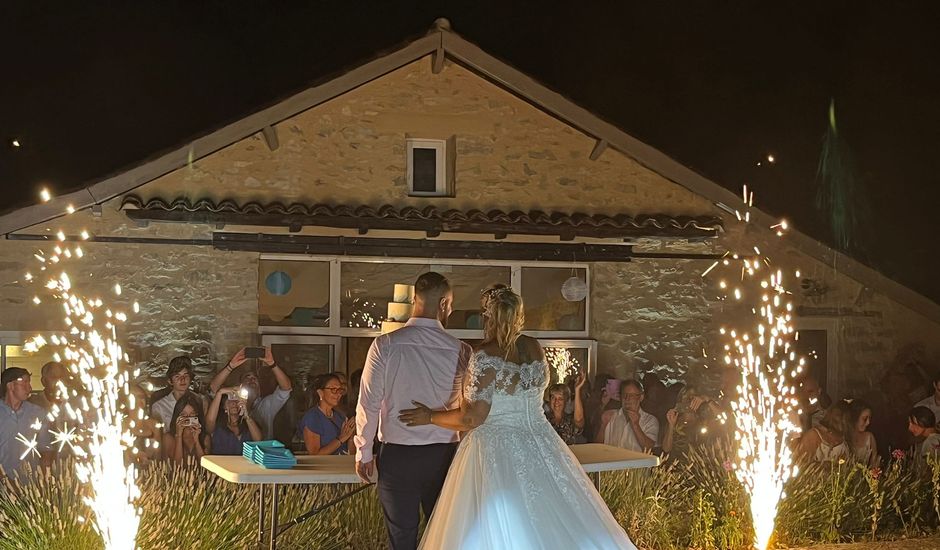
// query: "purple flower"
[[898, 454], [875, 473]]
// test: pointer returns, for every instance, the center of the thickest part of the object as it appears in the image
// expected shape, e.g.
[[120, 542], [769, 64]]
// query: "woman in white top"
[[826, 442], [513, 484], [862, 443]]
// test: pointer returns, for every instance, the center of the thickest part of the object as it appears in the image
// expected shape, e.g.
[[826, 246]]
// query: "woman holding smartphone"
[[236, 426], [185, 437]]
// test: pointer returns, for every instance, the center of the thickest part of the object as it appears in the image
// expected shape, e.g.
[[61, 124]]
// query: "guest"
[[601, 400], [569, 427], [814, 402], [325, 429], [923, 425], [695, 420], [54, 396], [862, 444], [236, 427], [179, 375], [51, 374], [185, 437], [932, 401], [658, 399], [631, 427], [891, 405], [19, 416], [826, 442], [262, 409]]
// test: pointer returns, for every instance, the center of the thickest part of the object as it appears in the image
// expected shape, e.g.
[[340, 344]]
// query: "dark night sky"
[[90, 89]]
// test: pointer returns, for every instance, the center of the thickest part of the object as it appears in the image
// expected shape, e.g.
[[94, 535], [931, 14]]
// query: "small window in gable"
[[431, 167]]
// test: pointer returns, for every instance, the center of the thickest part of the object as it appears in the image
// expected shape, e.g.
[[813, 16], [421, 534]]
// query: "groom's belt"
[[428, 445]]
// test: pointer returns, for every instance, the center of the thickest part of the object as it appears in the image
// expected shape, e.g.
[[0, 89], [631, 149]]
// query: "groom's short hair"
[[431, 284]]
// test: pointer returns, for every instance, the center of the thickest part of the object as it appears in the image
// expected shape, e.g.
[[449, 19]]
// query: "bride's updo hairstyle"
[[503, 316]]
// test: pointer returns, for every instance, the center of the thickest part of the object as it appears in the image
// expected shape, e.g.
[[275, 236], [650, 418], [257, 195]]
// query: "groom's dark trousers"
[[410, 476]]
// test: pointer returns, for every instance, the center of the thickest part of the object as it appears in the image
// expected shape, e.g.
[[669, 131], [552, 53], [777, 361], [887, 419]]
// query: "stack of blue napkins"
[[269, 454]]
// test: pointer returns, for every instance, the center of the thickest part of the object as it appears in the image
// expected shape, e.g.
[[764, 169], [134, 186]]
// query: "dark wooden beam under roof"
[[421, 248], [390, 248]]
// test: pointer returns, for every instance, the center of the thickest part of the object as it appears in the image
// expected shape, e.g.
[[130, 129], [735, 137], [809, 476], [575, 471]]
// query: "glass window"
[[293, 293], [302, 362], [555, 298], [31, 361], [367, 289], [565, 362]]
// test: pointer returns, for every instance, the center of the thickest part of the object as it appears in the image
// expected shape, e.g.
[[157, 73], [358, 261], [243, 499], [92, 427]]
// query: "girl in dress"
[[862, 445], [826, 442], [185, 439]]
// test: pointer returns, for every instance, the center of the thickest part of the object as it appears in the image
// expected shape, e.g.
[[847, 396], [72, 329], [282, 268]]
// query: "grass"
[[693, 503]]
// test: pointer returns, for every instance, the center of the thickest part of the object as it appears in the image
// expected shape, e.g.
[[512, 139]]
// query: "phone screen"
[[254, 353]]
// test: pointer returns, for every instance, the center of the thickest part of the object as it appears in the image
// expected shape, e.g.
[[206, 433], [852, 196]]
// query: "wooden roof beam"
[[270, 137], [599, 149], [437, 58]]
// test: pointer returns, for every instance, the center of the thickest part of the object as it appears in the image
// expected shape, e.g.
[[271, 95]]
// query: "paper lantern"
[[277, 283], [574, 289]]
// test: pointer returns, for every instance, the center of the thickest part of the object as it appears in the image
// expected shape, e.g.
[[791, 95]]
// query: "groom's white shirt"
[[418, 362]]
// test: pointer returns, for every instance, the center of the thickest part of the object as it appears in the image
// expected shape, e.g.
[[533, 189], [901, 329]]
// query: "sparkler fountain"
[[761, 348], [103, 433]]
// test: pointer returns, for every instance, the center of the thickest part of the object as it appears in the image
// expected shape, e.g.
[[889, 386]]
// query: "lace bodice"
[[488, 376], [514, 392]]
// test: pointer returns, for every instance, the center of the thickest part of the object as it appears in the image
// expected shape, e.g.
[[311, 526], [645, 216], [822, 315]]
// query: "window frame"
[[335, 328], [576, 343], [441, 187], [830, 325]]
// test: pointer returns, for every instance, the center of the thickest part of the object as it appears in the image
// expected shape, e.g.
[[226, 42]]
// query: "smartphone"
[[613, 388], [254, 353]]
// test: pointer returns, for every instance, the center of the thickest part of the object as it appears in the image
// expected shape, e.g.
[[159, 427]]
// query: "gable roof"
[[441, 42]]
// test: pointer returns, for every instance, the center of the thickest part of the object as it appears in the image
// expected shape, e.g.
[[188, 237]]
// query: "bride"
[[513, 484]]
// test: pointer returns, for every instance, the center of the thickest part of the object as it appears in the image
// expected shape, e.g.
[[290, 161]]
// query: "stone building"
[[290, 228]]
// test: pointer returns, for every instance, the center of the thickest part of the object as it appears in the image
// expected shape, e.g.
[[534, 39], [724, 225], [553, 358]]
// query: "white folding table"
[[594, 457]]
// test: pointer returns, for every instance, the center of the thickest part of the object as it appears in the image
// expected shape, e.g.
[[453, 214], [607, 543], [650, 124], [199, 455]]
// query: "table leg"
[[596, 478], [274, 533], [261, 515]]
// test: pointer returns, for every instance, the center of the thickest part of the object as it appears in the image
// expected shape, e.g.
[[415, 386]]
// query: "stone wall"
[[193, 299], [351, 150], [648, 315]]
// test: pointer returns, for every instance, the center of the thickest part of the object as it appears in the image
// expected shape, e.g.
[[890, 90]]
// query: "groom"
[[418, 362]]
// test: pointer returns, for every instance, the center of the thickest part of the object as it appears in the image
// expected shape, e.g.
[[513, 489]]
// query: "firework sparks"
[[561, 362], [760, 349], [103, 433], [65, 436], [29, 443]]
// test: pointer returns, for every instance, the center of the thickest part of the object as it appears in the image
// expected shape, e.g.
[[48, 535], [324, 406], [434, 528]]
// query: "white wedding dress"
[[514, 484]]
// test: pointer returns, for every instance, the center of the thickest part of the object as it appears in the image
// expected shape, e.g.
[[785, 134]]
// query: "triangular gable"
[[439, 43]]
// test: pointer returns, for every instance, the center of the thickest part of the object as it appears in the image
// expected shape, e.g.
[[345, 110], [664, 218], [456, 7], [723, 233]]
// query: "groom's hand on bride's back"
[[366, 470]]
